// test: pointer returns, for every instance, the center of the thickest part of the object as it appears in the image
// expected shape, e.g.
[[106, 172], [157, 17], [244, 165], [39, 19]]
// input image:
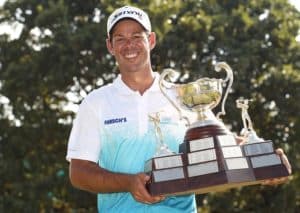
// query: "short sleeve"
[[84, 141]]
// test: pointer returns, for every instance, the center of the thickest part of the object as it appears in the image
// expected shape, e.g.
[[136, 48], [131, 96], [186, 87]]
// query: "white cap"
[[128, 12]]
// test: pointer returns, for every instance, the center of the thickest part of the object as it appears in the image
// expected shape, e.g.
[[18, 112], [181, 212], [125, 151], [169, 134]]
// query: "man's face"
[[131, 46]]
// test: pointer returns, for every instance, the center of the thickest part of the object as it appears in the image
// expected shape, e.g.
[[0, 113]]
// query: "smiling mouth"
[[131, 55]]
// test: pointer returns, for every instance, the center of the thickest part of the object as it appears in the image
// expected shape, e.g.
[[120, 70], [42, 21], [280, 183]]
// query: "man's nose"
[[129, 41]]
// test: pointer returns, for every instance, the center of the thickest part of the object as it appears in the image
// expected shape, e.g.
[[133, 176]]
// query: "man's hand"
[[276, 181], [139, 192]]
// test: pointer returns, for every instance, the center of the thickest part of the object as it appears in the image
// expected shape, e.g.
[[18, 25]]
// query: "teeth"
[[132, 55]]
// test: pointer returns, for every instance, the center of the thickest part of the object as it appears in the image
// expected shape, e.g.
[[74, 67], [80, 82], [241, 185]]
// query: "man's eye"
[[138, 36], [119, 39]]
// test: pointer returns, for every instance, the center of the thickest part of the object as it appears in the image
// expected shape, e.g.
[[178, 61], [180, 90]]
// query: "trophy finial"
[[243, 104], [162, 148], [247, 131]]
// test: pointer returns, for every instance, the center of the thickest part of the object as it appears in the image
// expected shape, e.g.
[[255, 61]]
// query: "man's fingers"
[[140, 192], [285, 160], [148, 199], [279, 151], [275, 181]]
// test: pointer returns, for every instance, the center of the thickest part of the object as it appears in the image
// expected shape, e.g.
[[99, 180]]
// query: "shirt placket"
[[143, 114]]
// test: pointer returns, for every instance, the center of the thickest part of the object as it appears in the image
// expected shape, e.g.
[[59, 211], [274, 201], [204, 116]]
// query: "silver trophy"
[[210, 158]]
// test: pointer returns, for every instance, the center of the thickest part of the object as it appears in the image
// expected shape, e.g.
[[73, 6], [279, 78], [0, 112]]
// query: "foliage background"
[[60, 56]]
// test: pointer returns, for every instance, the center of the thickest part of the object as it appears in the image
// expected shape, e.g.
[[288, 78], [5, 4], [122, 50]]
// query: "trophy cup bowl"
[[200, 95]]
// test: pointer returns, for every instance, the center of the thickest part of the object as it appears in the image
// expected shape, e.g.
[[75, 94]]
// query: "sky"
[[296, 3]]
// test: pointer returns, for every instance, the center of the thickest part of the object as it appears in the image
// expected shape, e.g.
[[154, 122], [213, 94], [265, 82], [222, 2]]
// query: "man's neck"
[[139, 81]]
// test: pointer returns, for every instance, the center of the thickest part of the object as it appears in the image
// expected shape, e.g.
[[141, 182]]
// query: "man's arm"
[[88, 176]]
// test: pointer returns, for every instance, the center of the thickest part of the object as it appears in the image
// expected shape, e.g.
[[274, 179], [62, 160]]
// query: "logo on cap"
[[127, 12]]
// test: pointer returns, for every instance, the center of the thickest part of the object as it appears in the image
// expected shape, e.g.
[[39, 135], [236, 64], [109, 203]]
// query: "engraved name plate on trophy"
[[258, 148], [203, 169], [164, 162], [202, 156]]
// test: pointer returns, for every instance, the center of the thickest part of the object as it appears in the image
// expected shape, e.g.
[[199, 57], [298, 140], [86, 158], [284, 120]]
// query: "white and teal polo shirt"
[[113, 129]]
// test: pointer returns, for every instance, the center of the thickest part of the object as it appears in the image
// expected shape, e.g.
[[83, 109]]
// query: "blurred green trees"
[[60, 56]]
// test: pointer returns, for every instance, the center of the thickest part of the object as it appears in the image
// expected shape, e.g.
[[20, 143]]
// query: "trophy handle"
[[173, 76], [229, 78]]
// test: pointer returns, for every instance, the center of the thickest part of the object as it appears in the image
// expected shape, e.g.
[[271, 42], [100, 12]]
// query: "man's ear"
[[109, 46], [152, 40]]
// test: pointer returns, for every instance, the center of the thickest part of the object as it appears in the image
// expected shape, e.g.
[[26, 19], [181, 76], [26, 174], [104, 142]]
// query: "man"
[[113, 135], [113, 129]]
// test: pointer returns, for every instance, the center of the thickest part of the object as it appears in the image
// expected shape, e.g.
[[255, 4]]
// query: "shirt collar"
[[125, 90]]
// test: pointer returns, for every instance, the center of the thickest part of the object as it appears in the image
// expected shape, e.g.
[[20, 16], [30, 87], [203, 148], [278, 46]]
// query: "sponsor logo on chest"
[[115, 120]]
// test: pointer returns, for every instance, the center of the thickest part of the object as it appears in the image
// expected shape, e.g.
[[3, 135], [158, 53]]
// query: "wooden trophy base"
[[210, 161]]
